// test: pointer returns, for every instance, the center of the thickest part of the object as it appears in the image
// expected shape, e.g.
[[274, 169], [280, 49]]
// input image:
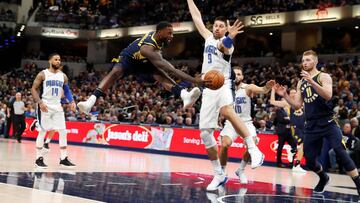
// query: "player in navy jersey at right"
[[315, 91], [143, 57]]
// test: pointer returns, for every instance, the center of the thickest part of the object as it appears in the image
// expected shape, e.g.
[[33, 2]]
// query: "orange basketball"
[[216, 77]]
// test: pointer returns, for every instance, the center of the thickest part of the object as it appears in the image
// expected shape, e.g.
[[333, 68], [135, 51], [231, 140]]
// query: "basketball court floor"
[[112, 175]]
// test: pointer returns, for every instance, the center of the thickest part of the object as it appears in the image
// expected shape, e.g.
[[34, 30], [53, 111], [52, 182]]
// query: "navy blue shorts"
[[143, 71], [299, 135], [318, 129]]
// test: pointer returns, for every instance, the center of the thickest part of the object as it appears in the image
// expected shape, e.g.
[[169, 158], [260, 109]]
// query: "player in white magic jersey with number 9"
[[217, 56]]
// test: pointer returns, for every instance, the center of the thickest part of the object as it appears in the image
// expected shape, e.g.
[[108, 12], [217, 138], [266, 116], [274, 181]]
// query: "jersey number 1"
[[54, 91]]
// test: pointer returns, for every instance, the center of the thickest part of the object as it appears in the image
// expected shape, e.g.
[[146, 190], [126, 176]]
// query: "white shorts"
[[211, 102], [229, 130], [51, 120]]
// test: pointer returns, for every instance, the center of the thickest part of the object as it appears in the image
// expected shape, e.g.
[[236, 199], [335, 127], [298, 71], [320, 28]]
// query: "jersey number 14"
[[54, 91]]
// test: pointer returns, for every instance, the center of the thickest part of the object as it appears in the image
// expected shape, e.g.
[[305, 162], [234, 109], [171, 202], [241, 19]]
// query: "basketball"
[[216, 79]]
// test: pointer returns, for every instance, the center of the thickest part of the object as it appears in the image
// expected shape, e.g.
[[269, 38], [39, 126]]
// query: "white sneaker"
[[241, 176], [86, 106], [290, 156], [189, 98], [217, 181], [298, 169], [257, 157]]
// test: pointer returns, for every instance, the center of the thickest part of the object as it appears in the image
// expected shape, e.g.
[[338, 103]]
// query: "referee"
[[19, 117]]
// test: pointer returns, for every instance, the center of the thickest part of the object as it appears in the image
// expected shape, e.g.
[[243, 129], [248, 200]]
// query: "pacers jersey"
[[214, 59], [315, 106], [242, 103], [133, 50], [297, 118], [52, 88]]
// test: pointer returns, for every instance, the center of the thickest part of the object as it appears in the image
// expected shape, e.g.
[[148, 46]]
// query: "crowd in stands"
[[136, 100], [139, 101], [90, 14]]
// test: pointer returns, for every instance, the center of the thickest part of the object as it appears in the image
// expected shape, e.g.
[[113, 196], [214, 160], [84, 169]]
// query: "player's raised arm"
[[158, 61], [297, 102], [34, 90], [196, 16], [325, 89], [252, 89], [227, 44], [273, 101]]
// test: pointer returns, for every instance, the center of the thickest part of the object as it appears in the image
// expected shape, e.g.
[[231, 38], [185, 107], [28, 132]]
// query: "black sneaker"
[[33, 125], [320, 187], [40, 163], [46, 146], [66, 163]]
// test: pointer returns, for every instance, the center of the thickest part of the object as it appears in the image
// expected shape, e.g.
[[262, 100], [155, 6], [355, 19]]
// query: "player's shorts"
[[143, 71], [211, 102], [229, 130], [54, 119], [298, 135]]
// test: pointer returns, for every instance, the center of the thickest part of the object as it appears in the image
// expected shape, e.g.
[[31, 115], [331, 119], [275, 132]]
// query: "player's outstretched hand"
[[270, 84], [201, 82], [235, 28], [280, 90]]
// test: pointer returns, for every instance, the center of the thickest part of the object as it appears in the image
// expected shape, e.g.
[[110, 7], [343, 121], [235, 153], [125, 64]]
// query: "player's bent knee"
[[227, 111], [117, 71], [226, 141], [208, 138]]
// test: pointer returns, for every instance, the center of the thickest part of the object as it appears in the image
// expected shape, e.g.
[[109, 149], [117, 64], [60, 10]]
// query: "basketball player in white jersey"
[[53, 83], [217, 55], [242, 106]]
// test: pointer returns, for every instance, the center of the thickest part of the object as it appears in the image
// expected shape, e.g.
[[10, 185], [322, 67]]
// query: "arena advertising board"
[[318, 15], [182, 140], [265, 20], [59, 32]]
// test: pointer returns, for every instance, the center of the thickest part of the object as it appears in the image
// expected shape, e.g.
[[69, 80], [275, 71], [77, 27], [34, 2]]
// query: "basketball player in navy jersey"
[[143, 57], [315, 91], [297, 121]]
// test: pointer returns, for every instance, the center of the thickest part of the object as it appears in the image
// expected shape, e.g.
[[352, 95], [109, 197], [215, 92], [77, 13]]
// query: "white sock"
[[250, 142], [63, 154], [47, 140], [217, 166], [183, 91], [242, 165], [38, 153], [92, 99]]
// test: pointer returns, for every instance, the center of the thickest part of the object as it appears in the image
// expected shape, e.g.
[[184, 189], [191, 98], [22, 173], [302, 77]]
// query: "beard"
[[237, 82], [56, 67]]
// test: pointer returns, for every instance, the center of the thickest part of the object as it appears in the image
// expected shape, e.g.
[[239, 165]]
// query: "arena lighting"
[[22, 28], [356, 27], [270, 33], [319, 20], [18, 34]]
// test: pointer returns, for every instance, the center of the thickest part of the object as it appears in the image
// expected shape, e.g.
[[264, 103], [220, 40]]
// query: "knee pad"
[[345, 159], [62, 138], [208, 138], [40, 139]]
